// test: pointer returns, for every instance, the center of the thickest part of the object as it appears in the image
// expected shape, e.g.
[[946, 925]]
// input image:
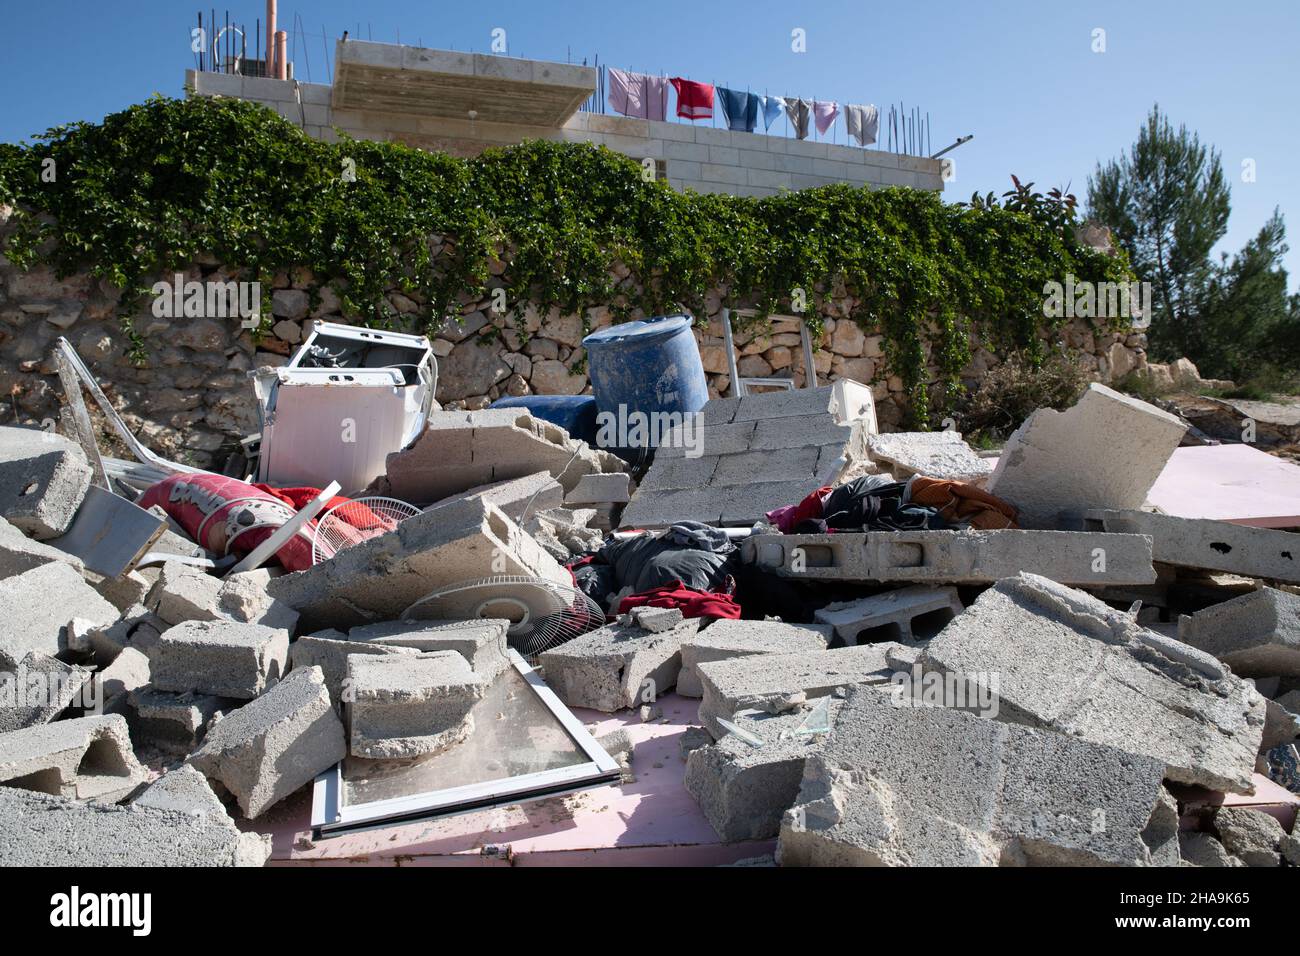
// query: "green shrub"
[[1007, 394]]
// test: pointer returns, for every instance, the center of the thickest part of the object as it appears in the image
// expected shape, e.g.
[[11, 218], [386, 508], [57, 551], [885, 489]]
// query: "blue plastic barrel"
[[576, 414], [650, 365]]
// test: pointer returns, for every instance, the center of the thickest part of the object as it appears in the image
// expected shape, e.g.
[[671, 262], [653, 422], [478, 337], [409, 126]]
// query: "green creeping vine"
[[157, 186]]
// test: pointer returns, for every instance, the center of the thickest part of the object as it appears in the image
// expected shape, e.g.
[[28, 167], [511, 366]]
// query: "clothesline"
[[645, 96]]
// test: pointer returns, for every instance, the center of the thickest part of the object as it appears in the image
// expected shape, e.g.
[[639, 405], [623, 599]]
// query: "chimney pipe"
[[270, 38], [281, 61]]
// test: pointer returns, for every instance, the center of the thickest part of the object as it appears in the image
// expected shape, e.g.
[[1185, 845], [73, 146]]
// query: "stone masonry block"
[[269, 748], [380, 578], [927, 786], [402, 707], [1060, 659], [43, 478], [89, 758], [221, 658], [775, 683], [1082, 558], [616, 666], [914, 613], [37, 605], [725, 639], [1257, 634], [1105, 452]]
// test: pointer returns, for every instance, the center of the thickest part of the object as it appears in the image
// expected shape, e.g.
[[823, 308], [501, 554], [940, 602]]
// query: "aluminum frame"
[[330, 818]]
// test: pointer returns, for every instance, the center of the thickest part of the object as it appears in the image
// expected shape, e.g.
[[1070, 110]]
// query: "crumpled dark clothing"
[[648, 561], [865, 505]]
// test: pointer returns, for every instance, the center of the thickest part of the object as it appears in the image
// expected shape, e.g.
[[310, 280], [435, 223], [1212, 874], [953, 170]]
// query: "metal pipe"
[[281, 65]]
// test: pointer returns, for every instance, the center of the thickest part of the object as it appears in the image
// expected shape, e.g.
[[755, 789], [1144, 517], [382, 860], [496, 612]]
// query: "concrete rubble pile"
[[868, 694]]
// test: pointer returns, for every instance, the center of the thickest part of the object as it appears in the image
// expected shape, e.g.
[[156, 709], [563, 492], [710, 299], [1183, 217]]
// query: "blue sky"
[[1021, 76]]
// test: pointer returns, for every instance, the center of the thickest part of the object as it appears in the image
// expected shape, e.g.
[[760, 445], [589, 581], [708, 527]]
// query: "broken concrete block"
[[183, 790], [37, 605], [89, 758], [19, 553], [243, 598], [1060, 659], [908, 614], [380, 578], [221, 658], [481, 642], [331, 656], [725, 639], [776, 683], [616, 666], [517, 497], [123, 593], [1105, 452], [1202, 849], [173, 723], [129, 671], [277, 743], [40, 830], [656, 619], [1251, 835], [744, 790], [1212, 545], [184, 593], [941, 454], [43, 478], [954, 557], [402, 707], [37, 689], [1257, 634], [928, 786], [598, 489]]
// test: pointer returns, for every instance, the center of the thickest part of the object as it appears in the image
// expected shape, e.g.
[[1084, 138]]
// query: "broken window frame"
[[329, 817]]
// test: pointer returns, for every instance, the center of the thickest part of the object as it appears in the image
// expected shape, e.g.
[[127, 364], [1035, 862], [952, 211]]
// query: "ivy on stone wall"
[[153, 189]]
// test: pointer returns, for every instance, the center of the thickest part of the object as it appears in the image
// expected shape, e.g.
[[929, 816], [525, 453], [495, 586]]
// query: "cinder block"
[[183, 790], [1257, 634], [1251, 835], [173, 723], [184, 593], [40, 830], [129, 671], [481, 642], [19, 553], [1211, 545], [530, 494], [43, 478], [380, 578], [1088, 559], [725, 639], [331, 656], [616, 666], [657, 619], [37, 605], [941, 454], [243, 598], [89, 758], [744, 790], [403, 707], [221, 658], [915, 613], [269, 748], [37, 689], [776, 683], [595, 489], [1060, 659], [927, 786], [1105, 452]]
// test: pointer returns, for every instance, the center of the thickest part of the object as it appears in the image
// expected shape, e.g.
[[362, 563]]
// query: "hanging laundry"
[[772, 107], [740, 109], [825, 113], [694, 100], [863, 122], [799, 111], [637, 94]]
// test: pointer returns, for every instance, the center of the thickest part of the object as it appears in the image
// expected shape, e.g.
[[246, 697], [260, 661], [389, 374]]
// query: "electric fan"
[[355, 521], [542, 614]]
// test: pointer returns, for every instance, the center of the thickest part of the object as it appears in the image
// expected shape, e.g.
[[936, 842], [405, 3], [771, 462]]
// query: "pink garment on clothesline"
[[824, 113], [637, 94]]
